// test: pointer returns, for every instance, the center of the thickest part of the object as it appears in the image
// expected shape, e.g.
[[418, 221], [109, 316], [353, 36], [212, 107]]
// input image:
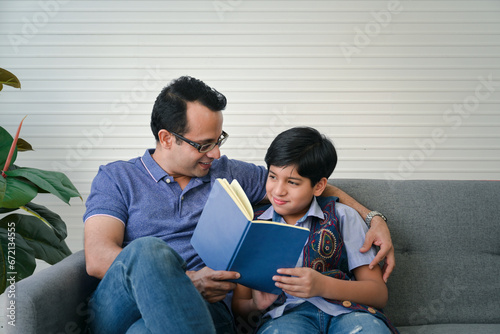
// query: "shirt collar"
[[158, 173], [314, 211], [152, 167]]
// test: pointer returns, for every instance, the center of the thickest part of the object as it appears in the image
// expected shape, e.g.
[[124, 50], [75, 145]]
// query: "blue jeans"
[[146, 290], [307, 318]]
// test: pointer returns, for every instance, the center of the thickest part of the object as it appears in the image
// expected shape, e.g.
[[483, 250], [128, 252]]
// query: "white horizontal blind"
[[406, 89]]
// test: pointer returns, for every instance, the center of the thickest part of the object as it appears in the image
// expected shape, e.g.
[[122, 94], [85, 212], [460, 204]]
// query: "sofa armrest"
[[53, 300]]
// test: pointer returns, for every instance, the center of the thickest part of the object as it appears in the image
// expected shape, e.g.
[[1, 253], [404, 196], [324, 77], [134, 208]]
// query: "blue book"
[[227, 238]]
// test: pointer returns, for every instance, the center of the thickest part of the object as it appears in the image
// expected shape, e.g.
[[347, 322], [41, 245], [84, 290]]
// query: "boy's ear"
[[320, 186]]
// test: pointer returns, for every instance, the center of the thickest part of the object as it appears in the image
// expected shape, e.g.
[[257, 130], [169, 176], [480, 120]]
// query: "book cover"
[[226, 238]]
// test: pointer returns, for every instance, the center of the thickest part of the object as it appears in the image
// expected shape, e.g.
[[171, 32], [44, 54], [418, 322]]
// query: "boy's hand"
[[212, 284], [304, 283], [263, 300]]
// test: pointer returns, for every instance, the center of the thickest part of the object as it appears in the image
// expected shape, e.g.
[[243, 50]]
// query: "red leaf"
[[12, 148]]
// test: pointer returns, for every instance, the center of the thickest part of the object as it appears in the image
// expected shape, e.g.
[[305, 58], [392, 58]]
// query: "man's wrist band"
[[370, 216]]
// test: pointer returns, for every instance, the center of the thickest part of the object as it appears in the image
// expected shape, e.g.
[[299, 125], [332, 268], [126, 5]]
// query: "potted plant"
[[39, 234]]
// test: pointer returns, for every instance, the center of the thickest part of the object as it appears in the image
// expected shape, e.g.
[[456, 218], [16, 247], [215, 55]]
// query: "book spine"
[[240, 242]]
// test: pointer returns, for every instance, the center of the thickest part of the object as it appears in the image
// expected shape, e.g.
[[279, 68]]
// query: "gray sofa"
[[447, 280]]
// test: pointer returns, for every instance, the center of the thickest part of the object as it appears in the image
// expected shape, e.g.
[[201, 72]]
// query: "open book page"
[[237, 193]]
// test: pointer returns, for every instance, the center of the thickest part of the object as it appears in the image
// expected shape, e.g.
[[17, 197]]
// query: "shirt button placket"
[[180, 205]]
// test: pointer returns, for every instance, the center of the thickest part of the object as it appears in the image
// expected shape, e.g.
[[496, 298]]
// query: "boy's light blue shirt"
[[353, 230]]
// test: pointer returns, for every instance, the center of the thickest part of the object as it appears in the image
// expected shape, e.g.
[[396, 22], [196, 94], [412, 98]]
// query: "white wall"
[[406, 89]]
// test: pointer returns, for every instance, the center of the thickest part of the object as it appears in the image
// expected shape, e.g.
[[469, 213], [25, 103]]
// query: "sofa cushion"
[[446, 237], [54, 300], [452, 329]]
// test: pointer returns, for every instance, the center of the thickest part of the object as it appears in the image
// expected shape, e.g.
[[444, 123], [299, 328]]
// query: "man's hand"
[[211, 284], [379, 235]]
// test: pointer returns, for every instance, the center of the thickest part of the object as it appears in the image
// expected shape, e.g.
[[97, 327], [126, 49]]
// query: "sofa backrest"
[[446, 236]]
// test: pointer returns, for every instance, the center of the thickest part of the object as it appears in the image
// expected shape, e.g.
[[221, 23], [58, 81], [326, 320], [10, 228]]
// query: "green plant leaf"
[[23, 145], [5, 144], [9, 79], [7, 210], [33, 239], [46, 245], [56, 222], [23, 258], [16, 192], [56, 183]]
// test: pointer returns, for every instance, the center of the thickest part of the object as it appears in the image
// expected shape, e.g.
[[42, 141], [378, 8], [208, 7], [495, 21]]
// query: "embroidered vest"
[[325, 252]]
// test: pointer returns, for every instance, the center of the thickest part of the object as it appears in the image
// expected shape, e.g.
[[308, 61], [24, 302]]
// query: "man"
[[141, 215]]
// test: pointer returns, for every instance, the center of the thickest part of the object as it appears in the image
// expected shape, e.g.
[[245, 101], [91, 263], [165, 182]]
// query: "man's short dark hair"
[[311, 152], [169, 110]]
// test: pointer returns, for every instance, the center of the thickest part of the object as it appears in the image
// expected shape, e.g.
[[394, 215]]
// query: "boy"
[[326, 292]]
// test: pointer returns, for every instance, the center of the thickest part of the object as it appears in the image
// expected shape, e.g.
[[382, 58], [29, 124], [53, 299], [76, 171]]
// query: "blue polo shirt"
[[149, 202]]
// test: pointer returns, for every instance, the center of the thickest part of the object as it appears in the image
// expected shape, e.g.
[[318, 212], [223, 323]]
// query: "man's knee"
[[147, 243], [152, 249]]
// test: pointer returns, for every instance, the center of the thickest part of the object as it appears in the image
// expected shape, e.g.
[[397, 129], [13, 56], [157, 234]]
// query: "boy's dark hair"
[[169, 110], [312, 153]]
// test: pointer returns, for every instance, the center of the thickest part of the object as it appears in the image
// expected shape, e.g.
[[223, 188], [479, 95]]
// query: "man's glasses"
[[203, 148]]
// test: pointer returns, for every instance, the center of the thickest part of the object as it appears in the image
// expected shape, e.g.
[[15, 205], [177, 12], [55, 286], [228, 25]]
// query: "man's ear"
[[165, 138], [320, 186]]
